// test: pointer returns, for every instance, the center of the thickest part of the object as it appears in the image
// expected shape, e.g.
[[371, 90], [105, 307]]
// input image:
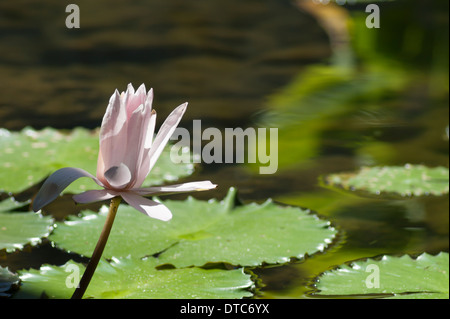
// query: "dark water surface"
[[227, 58], [223, 57]]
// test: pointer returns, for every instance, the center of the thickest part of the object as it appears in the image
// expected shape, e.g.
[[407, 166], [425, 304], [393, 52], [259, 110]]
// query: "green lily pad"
[[29, 156], [20, 228], [136, 278], [202, 232], [10, 204], [392, 277], [405, 180], [8, 281]]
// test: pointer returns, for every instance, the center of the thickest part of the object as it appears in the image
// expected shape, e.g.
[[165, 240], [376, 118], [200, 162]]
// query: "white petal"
[[149, 99], [144, 164], [136, 99], [178, 188], [95, 195], [130, 89], [114, 117], [151, 130], [113, 134], [146, 206], [56, 183], [165, 132], [138, 125], [141, 90]]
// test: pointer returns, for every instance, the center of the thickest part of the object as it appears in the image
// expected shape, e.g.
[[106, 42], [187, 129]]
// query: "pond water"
[[237, 63]]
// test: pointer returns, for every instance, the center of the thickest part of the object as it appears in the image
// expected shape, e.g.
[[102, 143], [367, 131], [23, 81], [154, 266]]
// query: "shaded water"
[[228, 59], [222, 58]]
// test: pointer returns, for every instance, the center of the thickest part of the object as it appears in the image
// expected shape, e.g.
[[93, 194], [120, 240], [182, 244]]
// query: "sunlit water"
[[226, 60]]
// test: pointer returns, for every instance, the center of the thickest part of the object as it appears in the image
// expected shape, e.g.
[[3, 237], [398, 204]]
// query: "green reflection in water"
[[387, 104], [382, 101]]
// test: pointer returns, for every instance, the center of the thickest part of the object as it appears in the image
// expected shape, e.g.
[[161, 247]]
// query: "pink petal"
[[113, 134], [114, 116], [150, 131], [146, 206], [56, 183], [130, 89], [144, 166], [95, 195], [149, 99], [136, 135], [179, 188], [164, 133], [127, 96], [152, 121], [135, 99]]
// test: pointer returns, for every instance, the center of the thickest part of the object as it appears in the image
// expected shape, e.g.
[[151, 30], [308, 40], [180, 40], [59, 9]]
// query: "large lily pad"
[[201, 232], [20, 228], [29, 156], [403, 180], [136, 278], [392, 277]]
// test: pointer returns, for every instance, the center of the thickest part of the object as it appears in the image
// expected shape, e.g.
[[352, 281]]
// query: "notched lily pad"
[[203, 232], [10, 204], [20, 228], [405, 180], [29, 156], [426, 277], [136, 278], [8, 282]]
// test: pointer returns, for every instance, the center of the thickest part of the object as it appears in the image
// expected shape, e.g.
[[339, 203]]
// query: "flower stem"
[[92, 265]]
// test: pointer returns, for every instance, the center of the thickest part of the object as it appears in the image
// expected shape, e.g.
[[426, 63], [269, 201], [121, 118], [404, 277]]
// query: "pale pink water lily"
[[126, 156]]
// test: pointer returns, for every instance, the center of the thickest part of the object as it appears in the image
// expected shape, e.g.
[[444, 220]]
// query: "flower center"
[[118, 176]]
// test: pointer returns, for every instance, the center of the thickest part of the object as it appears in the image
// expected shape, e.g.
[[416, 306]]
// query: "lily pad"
[[136, 278], [425, 277], [203, 232], [29, 156], [10, 204], [405, 180], [8, 281], [20, 228]]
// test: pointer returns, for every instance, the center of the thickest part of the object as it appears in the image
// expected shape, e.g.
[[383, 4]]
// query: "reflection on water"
[[224, 58], [386, 111], [232, 61]]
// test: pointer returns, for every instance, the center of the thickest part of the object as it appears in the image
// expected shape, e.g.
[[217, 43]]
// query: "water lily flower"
[[127, 154]]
